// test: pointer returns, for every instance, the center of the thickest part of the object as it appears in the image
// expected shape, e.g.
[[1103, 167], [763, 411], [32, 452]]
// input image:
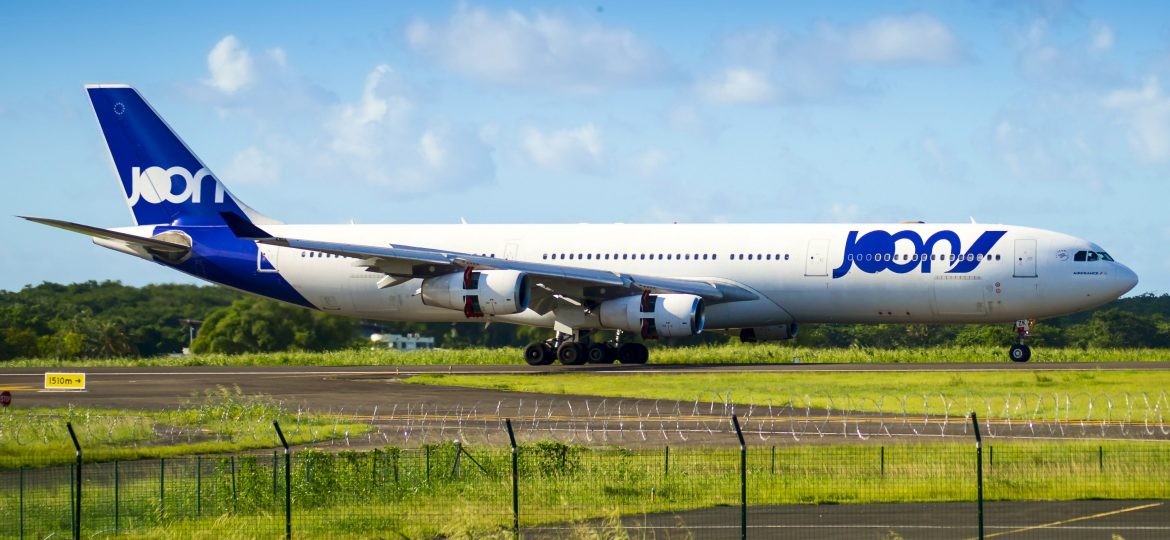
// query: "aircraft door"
[[816, 260], [1025, 258]]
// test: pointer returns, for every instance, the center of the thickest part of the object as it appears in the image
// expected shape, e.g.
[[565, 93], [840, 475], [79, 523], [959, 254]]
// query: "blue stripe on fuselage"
[[220, 257]]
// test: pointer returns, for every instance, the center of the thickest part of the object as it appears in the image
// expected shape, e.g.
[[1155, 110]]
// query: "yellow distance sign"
[[64, 381]]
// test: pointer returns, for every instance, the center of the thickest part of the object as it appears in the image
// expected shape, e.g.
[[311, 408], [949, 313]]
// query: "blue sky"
[[1048, 114]]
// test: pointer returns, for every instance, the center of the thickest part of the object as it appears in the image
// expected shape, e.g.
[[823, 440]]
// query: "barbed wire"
[[609, 421]]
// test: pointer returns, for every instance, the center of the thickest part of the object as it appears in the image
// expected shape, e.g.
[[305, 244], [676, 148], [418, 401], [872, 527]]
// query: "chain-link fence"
[[557, 490]]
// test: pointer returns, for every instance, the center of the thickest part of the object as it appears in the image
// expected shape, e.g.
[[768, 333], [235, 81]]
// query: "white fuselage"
[[802, 273]]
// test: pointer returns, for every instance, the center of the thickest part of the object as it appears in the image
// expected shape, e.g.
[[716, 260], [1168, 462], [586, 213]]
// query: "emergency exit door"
[[816, 260], [1025, 258]]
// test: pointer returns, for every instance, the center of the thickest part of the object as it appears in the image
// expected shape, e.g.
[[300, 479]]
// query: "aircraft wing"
[[552, 282]]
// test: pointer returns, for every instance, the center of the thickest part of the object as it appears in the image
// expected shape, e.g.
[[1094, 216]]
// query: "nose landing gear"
[[1021, 352]]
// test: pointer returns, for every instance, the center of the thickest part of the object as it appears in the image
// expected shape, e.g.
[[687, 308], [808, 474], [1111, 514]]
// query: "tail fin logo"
[[156, 184]]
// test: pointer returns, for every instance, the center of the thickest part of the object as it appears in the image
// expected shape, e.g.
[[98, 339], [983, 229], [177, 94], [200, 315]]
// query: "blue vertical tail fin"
[[164, 182]]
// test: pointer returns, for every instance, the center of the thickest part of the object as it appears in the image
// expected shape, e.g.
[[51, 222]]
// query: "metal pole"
[[232, 460], [742, 478], [162, 492], [22, 503], [287, 482], [77, 495], [116, 499], [274, 466], [198, 485], [979, 469], [773, 460], [666, 471], [883, 461], [1101, 458], [515, 481]]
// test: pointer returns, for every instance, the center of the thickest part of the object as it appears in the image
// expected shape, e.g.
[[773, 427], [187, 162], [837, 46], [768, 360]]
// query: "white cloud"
[[1081, 59], [1146, 110], [909, 39], [577, 150], [650, 162], [230, 65], [1102, 39], [252, 166], [538, 50], [766, 66], [381, 141], [738, 85]]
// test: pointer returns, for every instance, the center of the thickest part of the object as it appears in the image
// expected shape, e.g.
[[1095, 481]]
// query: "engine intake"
[[655, 315], [490, 292]]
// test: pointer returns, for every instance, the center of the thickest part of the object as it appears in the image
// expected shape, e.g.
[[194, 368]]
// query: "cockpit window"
[[1090, 256]]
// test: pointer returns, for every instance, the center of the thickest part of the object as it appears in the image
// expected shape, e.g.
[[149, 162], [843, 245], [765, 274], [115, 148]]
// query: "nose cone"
[[1124, 279]]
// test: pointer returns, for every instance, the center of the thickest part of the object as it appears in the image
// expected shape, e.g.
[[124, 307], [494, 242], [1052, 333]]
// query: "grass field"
[[222, 421], [720, 354], [1023, 394], [420, 493]]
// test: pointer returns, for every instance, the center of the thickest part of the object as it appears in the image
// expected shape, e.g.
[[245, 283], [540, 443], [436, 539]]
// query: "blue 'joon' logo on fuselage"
[[875, 251]]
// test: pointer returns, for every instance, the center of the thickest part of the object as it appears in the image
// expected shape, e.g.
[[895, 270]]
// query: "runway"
[[412, 414]]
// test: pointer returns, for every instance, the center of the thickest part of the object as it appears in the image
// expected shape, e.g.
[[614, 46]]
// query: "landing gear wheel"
[[538, 354], [598, 353], [1020, 353], [571, 353], [633, 353]]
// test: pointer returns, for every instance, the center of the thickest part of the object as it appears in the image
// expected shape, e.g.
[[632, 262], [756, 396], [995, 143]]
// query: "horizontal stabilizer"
[[154, 244]]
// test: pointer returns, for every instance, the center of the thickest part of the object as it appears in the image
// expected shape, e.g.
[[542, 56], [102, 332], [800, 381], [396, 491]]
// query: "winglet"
[[243, 228]]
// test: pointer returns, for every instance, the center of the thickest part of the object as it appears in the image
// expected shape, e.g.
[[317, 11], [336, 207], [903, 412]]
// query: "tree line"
[[109, 319]]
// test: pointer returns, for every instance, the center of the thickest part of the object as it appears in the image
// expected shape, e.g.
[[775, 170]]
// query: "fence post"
[[22, 503], [116, 498], [287, 482], [77, 494], [1101, 458], [374, 469], [773, 460], [666, 470], [515, 481], [199, 485], [979, 469], [162, 492], [742, 479], [427, 448], [274, 467], [232, 460]]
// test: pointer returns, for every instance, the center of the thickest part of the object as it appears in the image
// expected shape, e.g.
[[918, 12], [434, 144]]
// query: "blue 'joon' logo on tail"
[[163, 180], [875, 251]]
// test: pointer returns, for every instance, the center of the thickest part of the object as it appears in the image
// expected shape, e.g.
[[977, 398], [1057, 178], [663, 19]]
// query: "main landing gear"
[[1021, 352], [574, 350]]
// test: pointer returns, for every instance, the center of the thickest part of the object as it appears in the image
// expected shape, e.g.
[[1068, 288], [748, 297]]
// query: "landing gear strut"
[[1021, 352], [575, 350]]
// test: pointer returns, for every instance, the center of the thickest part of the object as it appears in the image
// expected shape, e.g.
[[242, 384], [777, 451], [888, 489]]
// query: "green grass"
[[1020, 394], [718, 354], [391, 494], [221, 421]]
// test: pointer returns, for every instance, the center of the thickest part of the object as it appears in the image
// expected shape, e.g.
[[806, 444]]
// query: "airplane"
[[759, 282]]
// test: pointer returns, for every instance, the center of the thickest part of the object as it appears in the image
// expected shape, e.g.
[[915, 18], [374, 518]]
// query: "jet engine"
[[655, 315], [768, 333], [490, 292]]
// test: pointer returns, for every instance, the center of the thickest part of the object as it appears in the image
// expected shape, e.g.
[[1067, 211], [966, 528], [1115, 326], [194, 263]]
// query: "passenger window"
[[786, 256]]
